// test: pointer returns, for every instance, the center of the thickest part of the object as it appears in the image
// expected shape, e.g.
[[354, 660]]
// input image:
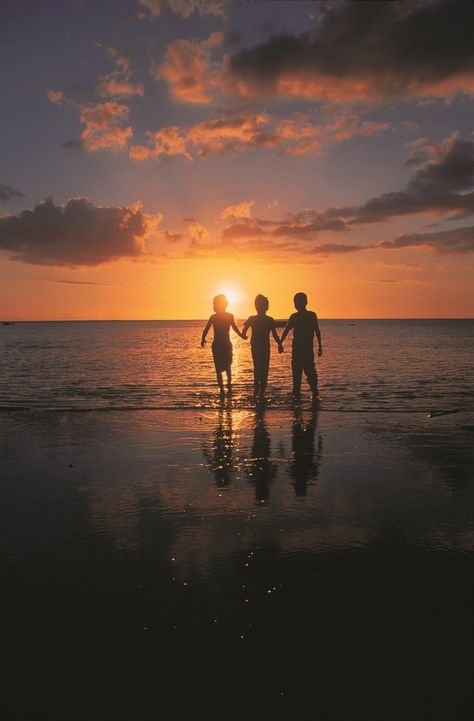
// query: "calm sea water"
[[236, 558], [394, 365]]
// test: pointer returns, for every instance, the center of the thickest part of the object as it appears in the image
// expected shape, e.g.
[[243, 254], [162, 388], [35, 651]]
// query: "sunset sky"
[[156, 152]]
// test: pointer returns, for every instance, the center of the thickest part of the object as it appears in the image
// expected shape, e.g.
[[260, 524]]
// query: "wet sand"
[[182, 562]]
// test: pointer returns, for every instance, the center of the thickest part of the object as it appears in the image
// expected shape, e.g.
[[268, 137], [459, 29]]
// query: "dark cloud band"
[[383, 48], [75, 234]]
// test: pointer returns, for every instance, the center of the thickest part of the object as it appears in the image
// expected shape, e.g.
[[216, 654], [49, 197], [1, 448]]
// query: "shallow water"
[[209, 561], [395, 365]]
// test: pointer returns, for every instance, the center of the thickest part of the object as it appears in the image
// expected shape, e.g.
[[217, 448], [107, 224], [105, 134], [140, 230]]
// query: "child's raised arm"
[[205, 332], [234, 327]]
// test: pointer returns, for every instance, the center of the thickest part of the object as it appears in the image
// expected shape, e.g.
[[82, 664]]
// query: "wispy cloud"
[[239, 210], [185, 8], [8, 193], [105, 119], [442, 185], [298, 134], [73, 282], [457, 241], [105, 126]]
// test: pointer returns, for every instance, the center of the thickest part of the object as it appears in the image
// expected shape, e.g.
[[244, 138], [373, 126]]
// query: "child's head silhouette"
[[220, 303], [300, 300], [261, 303]]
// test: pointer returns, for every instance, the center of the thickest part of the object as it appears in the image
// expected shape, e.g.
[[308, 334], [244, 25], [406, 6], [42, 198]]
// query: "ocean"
[[212, 555], [368, 365]]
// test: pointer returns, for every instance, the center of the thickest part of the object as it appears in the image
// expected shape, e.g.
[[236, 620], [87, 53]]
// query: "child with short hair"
[[304, 324]]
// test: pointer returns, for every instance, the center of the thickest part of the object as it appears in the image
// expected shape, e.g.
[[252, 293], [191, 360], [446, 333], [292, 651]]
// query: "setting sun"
[[232, 294]]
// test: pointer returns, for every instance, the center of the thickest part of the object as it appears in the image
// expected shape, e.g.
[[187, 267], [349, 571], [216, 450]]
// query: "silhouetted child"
[[304, 324], [221, 322], [262, 325]]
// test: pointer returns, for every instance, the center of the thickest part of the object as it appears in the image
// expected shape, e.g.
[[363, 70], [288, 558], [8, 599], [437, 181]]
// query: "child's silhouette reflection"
[[220, 454], [261, 471], [305, 457]]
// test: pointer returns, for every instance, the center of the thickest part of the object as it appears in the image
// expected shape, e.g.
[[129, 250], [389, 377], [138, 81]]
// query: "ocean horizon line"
[[8, 321]]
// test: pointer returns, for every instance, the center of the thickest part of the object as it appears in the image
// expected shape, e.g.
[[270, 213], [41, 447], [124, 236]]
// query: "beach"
[[236, 360], [154, 559]]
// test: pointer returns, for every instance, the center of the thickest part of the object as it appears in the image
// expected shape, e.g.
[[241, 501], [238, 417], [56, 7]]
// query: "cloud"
[[240, 210], [55, 96], [303, 226], [105, 126], [119, 58], [421, 150], [348, 125], [187, 69], [75, 282], [226, 135], [255, 247], [311, 138], [8, 193], [169, 236], [457, 241], [196, 232], [116, 84], [185, 8], [73, 144], [442, 185], [165, 142], [76, 234], [231, 134], [240, 230], [401, 266], [335, 248], [363, 50], [154, 6], [105, 122]]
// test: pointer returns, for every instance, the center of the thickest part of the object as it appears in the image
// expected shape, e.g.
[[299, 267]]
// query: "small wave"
[[227, 405]]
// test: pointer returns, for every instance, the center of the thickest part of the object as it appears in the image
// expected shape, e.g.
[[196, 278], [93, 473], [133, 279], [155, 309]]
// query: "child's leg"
[[262, 380], [228, 372], [256, 379], [311, 373], [217, 365], [297, 370], [264, 375]]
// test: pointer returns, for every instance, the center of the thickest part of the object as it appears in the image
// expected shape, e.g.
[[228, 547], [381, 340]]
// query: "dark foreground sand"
[[174, 564]]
